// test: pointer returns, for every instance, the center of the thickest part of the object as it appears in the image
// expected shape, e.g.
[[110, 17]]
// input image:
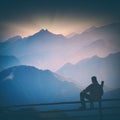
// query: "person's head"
[[94, 80]]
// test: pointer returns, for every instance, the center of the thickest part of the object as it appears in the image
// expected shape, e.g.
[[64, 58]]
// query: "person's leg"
[[83, 96], [90, 100], [82, 99]]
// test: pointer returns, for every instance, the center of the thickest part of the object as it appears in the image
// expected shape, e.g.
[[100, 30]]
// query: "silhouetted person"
[[93, 93]]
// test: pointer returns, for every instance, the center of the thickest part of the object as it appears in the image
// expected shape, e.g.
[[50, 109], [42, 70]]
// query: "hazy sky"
[[25, 17]]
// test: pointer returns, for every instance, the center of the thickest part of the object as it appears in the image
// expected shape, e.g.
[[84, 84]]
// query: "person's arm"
[[87, 89]]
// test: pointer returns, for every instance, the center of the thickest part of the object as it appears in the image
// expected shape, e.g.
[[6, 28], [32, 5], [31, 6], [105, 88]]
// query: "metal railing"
[[100, 110]]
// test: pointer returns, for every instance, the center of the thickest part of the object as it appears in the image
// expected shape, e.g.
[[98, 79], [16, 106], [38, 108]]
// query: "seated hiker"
[[93, 93]]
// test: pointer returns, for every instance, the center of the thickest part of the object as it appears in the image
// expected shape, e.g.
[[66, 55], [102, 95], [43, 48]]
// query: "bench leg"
[[100, 104], [91, 105]]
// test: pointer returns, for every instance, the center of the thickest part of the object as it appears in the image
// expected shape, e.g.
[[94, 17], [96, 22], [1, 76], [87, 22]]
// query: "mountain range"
[[29, 85], [106, 69], [47, 50], [93, 52]]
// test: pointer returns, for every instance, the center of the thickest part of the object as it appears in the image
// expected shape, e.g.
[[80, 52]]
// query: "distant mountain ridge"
[[45, 34], [106, 69], [46, 47]]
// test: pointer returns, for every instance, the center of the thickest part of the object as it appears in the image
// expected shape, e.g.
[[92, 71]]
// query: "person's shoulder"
[[89, 86]]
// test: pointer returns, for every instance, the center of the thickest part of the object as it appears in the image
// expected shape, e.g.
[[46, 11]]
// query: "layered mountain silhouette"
[[106, 32], [36, 49], [46, 47], [47, 50], [106, 69], [97, 41], [27, 84]]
